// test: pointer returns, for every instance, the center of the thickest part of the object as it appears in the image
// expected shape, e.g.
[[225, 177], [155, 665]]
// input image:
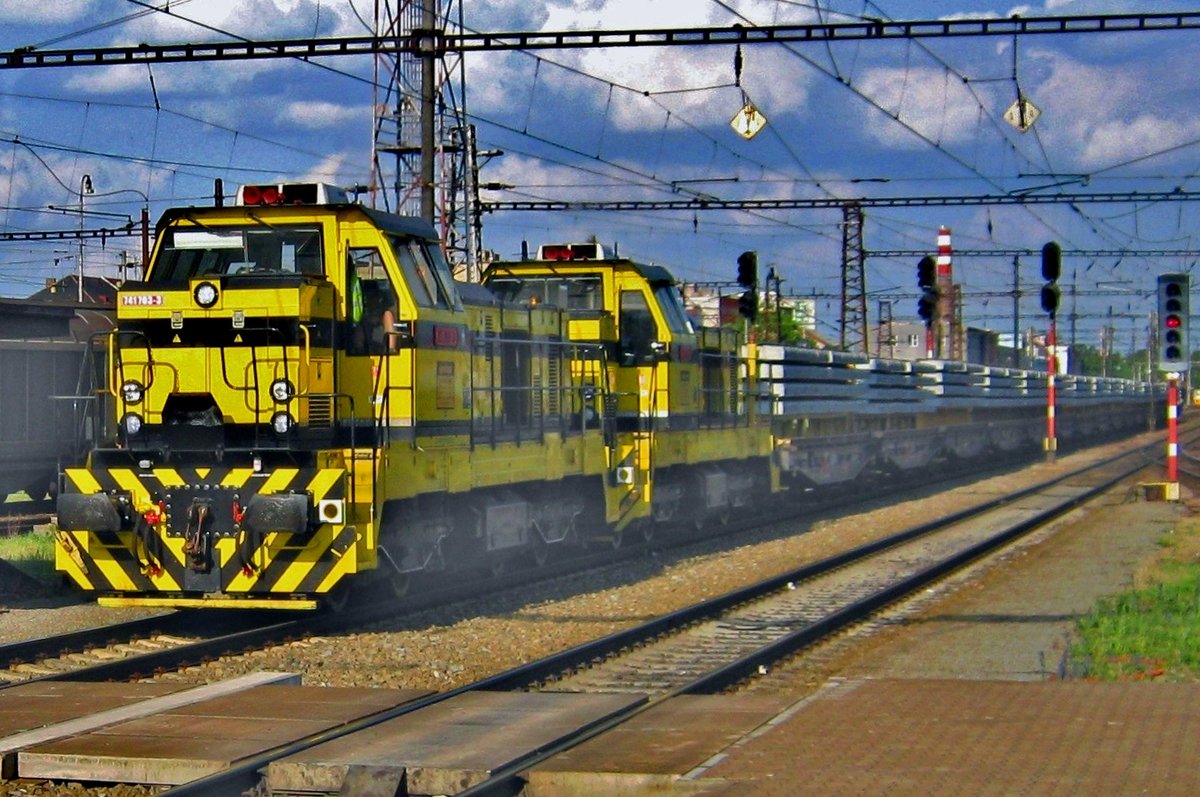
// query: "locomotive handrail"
[[482, 343], [255, 388], [305, 360], [116, 363]]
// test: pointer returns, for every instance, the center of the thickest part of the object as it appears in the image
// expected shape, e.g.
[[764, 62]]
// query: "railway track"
[[716, 644], [125, 651], [142, 648]]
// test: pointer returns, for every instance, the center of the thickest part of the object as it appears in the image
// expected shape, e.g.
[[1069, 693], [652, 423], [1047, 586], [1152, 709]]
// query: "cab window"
[[671, 304], [373, 303], [577, 293], [639, 333], [426, 273], [278, 249]]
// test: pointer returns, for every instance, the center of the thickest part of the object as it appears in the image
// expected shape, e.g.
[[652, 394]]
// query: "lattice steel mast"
[[854, 287], [419, 155]]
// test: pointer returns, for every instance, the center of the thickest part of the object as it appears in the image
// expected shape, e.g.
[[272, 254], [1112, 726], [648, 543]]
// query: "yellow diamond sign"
[[1022, 114], [748, 121]]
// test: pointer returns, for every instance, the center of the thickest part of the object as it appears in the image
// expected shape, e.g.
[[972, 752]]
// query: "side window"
[[373, 304], [639, 335], [443, 273], [418, 273]]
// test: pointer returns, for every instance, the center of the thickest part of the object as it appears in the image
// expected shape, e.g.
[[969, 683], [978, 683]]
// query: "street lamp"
[[85, 187]]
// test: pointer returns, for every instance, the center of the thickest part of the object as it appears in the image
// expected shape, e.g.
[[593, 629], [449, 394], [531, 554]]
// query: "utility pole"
[[429, 62], [1016, 318]]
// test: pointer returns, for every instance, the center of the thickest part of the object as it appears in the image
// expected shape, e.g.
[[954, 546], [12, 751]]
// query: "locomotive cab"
[[256, 370]]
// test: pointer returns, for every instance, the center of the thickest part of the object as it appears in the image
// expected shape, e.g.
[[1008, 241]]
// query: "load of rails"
[[300, 397]]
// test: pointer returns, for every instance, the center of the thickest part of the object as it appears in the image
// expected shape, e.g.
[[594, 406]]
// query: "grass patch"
[[32, 553], [1153, 630]]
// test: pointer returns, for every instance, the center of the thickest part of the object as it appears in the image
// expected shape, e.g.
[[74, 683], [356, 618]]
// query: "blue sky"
[[846, 120]]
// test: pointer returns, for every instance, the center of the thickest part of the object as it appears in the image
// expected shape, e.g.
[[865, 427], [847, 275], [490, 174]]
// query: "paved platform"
[[910, 738], [977, 738], [654, 751], [41, 712], [195, 739], [443, 748]]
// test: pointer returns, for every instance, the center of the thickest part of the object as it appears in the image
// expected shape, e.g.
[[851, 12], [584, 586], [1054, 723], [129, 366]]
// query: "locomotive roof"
[[388, 222], [655, 275]]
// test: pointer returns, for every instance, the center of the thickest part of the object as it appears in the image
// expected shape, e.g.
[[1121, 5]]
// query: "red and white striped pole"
[[1172, 428], [945, 305], [1051, 443]]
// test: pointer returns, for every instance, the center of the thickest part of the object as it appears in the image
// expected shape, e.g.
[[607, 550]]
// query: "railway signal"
[[747, 263], [1173, 307], [928, 301], [747, 277], [748, 304], [927, 282], [1051, 269]]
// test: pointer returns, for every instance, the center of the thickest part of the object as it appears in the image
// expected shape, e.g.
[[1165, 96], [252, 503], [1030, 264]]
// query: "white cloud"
[[39, 11], [329, 170], [318, 115], [1120, 140], [1101, 115], [925, 99]]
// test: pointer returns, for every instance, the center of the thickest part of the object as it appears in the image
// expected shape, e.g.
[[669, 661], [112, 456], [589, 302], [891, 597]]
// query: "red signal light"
[[1172, 322], [556, 252]]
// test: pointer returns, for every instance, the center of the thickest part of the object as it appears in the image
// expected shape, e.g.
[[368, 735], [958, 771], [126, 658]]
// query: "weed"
[[1145, 633], [32, 552]]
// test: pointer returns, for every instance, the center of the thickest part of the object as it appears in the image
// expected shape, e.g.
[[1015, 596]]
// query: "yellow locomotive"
[[300, 397]]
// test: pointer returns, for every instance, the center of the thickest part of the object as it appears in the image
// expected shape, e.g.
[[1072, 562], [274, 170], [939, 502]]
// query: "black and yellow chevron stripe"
[[152, 561]]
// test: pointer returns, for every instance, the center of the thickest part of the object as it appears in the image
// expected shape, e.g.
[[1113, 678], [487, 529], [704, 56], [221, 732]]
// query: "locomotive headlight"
[[205, 294], [131, 424], [282, 423], [132, 392], [282, 390]]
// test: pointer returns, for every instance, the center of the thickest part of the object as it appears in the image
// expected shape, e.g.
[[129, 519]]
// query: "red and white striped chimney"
[[945, 286], [943, 257]]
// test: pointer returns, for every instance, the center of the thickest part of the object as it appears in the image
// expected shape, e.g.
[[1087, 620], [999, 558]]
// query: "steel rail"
[[26, 651]]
